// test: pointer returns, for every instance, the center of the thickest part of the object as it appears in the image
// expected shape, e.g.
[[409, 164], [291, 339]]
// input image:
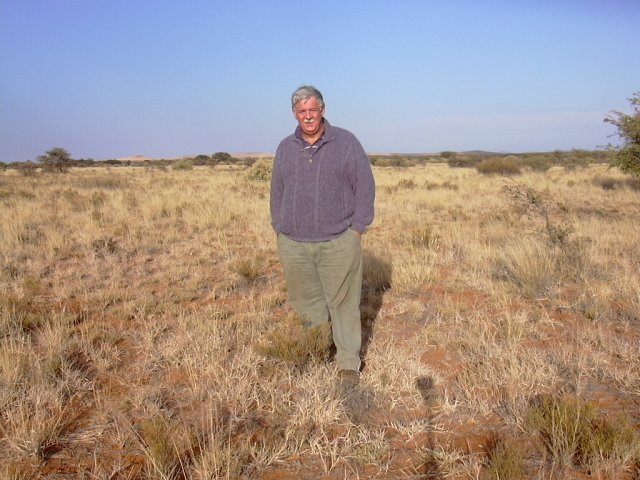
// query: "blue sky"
[[109, 79]]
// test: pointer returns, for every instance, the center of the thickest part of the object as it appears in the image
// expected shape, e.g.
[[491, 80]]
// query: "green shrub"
[[627, 156], [628, 160], [261, 171]]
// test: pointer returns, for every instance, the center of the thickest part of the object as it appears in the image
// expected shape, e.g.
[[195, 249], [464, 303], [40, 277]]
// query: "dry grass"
[[144, 329]]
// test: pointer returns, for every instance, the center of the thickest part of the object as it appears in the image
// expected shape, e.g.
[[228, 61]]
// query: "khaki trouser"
[[324, 280]]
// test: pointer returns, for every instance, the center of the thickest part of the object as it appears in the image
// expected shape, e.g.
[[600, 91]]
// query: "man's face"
[[309, 115]]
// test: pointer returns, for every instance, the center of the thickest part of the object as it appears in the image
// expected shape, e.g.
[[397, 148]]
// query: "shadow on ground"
[[376, 280]]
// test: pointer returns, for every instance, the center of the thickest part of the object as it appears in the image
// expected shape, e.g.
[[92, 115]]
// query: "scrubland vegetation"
[[145, 333]]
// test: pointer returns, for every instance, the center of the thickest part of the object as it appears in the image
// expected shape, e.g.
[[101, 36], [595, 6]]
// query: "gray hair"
[[304, 93]]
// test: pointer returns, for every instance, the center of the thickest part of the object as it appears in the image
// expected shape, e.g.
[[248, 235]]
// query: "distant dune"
[[251, 154], [135, 158], [143, 158]]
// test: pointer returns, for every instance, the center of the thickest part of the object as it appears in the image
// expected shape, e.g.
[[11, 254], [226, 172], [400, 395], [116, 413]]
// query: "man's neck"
[[312, 139]]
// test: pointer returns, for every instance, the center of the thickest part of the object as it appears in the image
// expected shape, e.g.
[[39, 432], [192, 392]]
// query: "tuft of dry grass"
[[530, 266], [506, 460], [298, 346], [573, 433]]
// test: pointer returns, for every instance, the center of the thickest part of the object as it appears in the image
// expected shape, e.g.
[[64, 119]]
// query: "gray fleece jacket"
[[319, 191]]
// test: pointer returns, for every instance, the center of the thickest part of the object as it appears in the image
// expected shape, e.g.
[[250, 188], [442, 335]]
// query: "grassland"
[[145, 333]]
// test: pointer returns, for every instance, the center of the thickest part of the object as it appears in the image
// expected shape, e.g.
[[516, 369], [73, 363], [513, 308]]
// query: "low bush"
[[392, 161], [499, 166], [202, 160], [573, 433], [538, 163], [183, 164], [261, 171], [462, 161]]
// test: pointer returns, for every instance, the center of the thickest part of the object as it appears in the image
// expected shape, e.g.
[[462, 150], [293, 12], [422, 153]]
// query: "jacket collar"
[[329, 134]]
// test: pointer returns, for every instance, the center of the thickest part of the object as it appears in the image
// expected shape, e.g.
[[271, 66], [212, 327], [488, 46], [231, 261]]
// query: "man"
[[322, 196]]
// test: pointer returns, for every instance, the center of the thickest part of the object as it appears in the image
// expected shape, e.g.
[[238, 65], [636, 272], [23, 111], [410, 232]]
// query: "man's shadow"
[[376, 280]]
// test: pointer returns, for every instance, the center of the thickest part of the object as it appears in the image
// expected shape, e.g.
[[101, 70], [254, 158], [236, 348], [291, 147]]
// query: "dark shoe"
[[348, 379]]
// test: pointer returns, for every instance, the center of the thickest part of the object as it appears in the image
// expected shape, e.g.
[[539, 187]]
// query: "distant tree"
[[202, 160], [56, 160], [83, 162], [627, 156], [220, 157]]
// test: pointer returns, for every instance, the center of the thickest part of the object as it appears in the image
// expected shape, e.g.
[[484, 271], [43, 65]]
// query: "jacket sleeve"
[[364, 190], [277, 189]]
